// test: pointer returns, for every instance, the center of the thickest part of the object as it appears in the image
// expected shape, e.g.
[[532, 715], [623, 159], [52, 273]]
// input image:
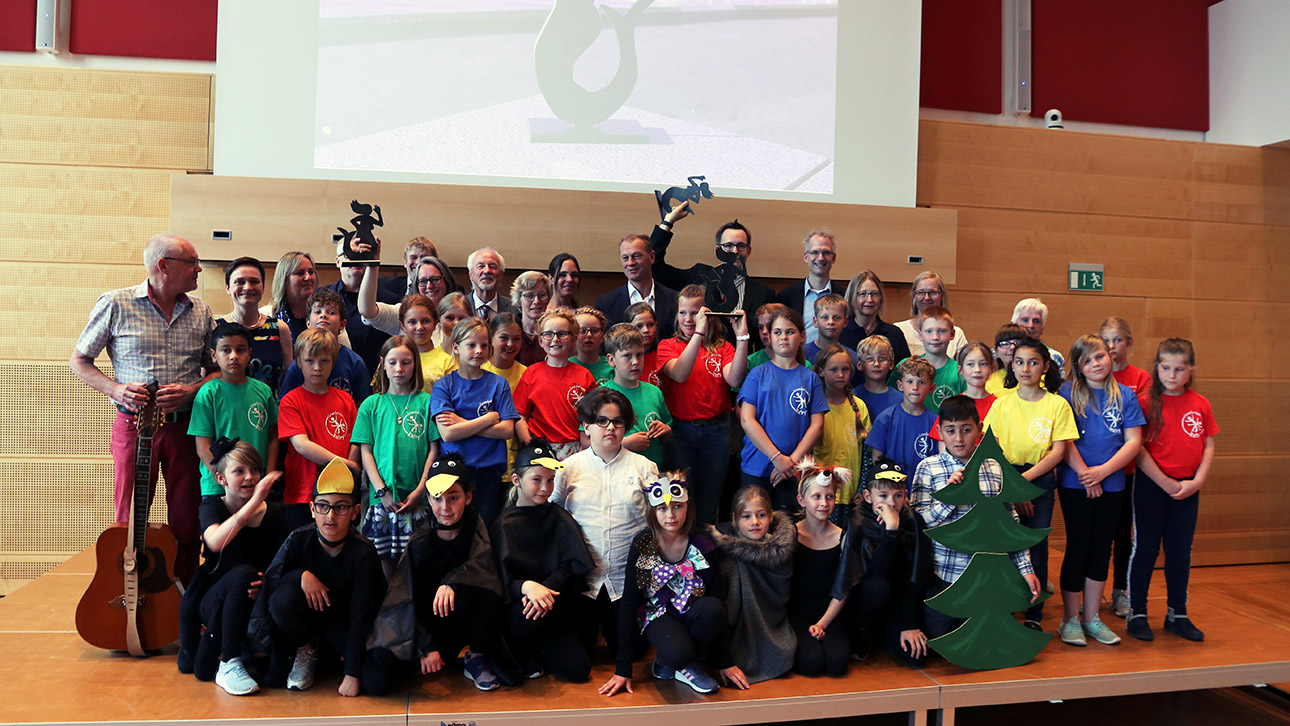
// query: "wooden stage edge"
[[48, 675]]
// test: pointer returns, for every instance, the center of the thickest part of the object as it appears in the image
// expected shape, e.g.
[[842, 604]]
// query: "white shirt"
[[476, 304], [808, 307], [634, 296], [608, 501]]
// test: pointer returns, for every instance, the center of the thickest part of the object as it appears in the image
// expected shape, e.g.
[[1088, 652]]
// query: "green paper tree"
[[990, 589]]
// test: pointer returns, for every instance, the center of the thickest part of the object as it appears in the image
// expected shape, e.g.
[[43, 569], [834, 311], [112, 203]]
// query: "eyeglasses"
[[535, 296], [193, 262], [875, 361], [428, 281], [605, 422], [926, 294], [735, 246], [591, 331], [869, 295], [324, 508], [554, 334], [820, 253], [1007, 344]]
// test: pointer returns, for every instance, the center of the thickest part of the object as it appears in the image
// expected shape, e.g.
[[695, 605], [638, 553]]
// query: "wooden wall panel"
[[104, 118]]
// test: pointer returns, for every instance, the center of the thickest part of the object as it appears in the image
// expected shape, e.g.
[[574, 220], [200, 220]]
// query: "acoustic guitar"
[[132, 603]]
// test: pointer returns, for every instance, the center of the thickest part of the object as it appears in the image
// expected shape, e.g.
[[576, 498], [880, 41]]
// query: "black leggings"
[[1090, 527], [551, 639], [1123, 541], [226, 609], [877, 601], [593, 615], [1159, 518], [814, 657], [683, 639]]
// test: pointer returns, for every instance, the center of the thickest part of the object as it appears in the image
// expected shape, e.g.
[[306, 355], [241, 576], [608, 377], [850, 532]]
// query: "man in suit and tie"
[[486, 267], [637, 255], [820, 252]]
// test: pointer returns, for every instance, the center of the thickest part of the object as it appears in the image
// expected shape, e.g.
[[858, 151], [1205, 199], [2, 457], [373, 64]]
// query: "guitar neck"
[[142, 500]]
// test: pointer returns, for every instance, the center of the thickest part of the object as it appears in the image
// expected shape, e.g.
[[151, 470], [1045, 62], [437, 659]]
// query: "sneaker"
[[301, 677], [661, 672], [1120, 603], [479, 669], [1071, 633], [531, 669], [694, 676], [1033, 625], [1138, 627], [234, 679], [1097, 630], [1182, 626]]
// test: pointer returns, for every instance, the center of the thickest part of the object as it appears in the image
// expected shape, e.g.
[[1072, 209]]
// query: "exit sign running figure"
[[1086, 277]]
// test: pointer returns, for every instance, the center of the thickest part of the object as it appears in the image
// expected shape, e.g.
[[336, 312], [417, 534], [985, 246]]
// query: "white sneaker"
[[301, 677], [234, 679]]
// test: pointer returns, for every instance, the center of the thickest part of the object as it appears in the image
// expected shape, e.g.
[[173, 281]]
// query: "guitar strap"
[[130, 558]]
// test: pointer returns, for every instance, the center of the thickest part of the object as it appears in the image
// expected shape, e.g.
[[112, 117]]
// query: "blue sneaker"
[[694, 676], [661, 672], [479, 669]]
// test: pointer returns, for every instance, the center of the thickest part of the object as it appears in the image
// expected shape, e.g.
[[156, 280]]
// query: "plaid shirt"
[[932, 474], [142, 344]]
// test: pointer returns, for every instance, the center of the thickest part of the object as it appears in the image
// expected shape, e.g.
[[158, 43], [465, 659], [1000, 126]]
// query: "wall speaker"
[[51, 25]]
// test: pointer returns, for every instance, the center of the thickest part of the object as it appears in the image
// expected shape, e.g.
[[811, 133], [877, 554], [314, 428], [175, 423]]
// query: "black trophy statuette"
[[359, 249], [722, 295], [697, 190]]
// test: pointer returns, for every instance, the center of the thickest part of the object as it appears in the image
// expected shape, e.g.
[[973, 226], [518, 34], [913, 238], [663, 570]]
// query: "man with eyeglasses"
[[637, 257], [364, 339], [486, 267], [155, 331], [416, 248], [733, 248], [820, 251]]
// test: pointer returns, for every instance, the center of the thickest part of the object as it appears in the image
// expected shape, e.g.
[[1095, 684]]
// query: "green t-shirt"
[[600, 370], [400, 430], [947, 382], [647, 404], [248, 412]]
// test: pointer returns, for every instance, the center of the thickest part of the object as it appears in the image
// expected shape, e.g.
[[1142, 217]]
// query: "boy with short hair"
[[874, 362], [325, 584], [625, 351], [326, 309], [935, 331], [886, 564], [642, 317], [901, 432], [601, 487], [831, 315], [317, 420], [233, 405], [960, 429], [591, 335]]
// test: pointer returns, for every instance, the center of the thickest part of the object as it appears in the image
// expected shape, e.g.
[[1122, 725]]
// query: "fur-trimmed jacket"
[[758, 575]]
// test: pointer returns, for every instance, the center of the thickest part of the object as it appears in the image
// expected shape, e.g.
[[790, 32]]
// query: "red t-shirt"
[[328, 420], [649, 368], [1135, 378], [547, 398], [705, 393], [982, 407], [1178, 445]]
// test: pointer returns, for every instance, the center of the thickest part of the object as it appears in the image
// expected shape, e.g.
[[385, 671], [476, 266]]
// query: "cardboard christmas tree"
[[991, 589]]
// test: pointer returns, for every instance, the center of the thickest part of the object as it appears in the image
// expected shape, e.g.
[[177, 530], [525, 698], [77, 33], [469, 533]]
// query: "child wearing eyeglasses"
[[550, 389], [601, 487]]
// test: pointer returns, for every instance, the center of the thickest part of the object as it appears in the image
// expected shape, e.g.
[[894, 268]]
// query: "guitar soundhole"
[[151, 563]]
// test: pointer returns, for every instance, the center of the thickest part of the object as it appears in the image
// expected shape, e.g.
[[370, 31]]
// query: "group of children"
[[519, 512]]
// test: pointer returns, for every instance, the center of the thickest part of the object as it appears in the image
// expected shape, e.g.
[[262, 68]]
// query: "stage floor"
[[49, 675]]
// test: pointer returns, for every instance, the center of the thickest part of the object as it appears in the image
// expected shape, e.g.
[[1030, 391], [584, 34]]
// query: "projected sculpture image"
[[570, 30]]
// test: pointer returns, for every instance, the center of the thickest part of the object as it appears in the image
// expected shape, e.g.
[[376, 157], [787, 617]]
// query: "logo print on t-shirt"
[[940, 394], [1111, 416], [923, 446], [575, 394], [650, 418], [799, 400], [414, 424], [258, 416], [713, 364], [1193, 424], [337, 426], [653, 378], [1041, 430], [484, 407]]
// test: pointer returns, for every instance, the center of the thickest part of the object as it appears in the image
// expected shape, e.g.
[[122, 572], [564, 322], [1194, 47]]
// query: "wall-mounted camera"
[[1053, 118]]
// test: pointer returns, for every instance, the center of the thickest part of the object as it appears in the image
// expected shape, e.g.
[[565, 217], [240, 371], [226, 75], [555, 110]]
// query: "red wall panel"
[[180, 29], [1140, 63], [18, 25], [962, 55]]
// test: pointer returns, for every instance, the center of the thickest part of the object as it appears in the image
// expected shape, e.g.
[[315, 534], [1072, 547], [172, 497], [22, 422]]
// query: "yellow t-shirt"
[[994, 384], [840, 444], [435, 365], [1026, 430], [512, 376]]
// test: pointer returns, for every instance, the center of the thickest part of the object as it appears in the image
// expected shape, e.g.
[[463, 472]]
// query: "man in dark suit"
[[637, 255], [734, 246], [820, 252], [486, 267]]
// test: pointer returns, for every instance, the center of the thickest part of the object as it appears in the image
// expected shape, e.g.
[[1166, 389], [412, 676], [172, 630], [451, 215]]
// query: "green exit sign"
[[1086, 277]]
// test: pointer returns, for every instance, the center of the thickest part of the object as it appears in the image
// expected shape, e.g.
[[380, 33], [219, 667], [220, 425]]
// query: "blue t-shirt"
[[1101, 434], [349, 375], [904, 438], [785, 402], [472, 399], [879, 402], [810, 350]]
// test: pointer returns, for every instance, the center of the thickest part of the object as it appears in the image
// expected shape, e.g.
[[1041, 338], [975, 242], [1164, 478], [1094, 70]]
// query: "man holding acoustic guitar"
[[154, 331]]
